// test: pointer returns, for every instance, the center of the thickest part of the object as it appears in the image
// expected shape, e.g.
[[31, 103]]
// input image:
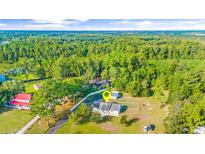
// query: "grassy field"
[[141, 111], [29, 86], [12, 120], [40, 127]]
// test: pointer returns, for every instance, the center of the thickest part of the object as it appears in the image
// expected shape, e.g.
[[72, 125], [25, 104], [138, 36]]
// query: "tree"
[[123, 119], [48, 96], [175, 123], [9, 89], [81, 114]]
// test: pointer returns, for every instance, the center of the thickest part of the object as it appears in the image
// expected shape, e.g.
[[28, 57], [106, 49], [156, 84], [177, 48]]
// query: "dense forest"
[[139, 63]]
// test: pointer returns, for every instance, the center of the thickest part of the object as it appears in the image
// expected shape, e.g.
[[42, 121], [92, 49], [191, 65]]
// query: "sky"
[[102, 24]]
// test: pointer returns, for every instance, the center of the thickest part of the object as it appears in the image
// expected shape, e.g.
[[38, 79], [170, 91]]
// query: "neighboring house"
[[21, 101], [16, 71], [115, 94], [107, 109], [2, 78], [100, 82], [200, 130]]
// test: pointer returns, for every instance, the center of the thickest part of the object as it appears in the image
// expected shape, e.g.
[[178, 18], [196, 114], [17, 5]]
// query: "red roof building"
[[21, 101]]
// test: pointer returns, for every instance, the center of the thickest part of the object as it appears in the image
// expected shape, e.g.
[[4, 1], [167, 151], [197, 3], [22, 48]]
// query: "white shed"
[[115, 94]]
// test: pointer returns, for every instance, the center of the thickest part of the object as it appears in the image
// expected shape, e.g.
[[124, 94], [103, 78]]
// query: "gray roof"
[[115, 107], [96, 105], [105, 106]]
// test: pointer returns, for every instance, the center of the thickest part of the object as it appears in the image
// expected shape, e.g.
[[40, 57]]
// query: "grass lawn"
[[29, 89], [142, 111], [12, 120], [29, 86], [40, 127], [88, 128]]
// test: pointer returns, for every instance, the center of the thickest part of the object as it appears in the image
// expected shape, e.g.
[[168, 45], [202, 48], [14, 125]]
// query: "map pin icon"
[[106, 95]]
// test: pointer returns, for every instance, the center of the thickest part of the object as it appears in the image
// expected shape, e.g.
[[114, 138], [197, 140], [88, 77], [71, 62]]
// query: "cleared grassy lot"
[[140, 112], [40, 127], [12, 120]]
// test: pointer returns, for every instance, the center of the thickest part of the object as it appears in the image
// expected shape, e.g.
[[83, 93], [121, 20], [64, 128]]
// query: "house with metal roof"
[[20, 101], [115, 109], [107, 109]]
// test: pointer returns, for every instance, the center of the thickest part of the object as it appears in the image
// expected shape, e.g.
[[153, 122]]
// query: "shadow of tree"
[[3, 109], [131, 121]]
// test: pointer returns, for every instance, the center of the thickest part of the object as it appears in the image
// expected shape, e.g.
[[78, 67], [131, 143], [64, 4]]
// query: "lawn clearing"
[[29, 86], [12, 120], [141, 111], [88, 128], [40, 127]]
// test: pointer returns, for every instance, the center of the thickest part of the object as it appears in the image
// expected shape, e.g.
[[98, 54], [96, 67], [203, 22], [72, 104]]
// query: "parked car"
[[146, 129], [151, 127]]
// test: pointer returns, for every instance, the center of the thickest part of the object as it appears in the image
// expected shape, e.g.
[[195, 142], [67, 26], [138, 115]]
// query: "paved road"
[[28, 125], [57, 126], [61, 122]]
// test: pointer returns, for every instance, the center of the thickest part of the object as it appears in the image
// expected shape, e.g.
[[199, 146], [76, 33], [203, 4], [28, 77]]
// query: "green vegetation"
[[144, 64], [13, 120], [40, 127], [8, 90]]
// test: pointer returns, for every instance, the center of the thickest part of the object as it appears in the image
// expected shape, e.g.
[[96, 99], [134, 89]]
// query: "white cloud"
[[59, 21], [61, 24], [47, 26], [133, 22], [160, 24], [144, 23], [2, 25], [43, 21], [82, 20]]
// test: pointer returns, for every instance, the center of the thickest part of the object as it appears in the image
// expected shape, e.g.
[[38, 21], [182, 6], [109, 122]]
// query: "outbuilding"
[[115, 94], [21, 101]]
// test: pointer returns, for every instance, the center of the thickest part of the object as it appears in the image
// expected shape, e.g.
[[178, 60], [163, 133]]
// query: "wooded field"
[[142, 64]]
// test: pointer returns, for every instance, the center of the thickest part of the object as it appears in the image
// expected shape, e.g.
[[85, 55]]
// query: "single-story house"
[[107, 109], [21, 101], [2, 78], [200, 130], [115, 94], [100, 82]]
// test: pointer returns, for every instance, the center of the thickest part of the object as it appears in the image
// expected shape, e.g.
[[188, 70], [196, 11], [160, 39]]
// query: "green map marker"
[[106, 95]]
